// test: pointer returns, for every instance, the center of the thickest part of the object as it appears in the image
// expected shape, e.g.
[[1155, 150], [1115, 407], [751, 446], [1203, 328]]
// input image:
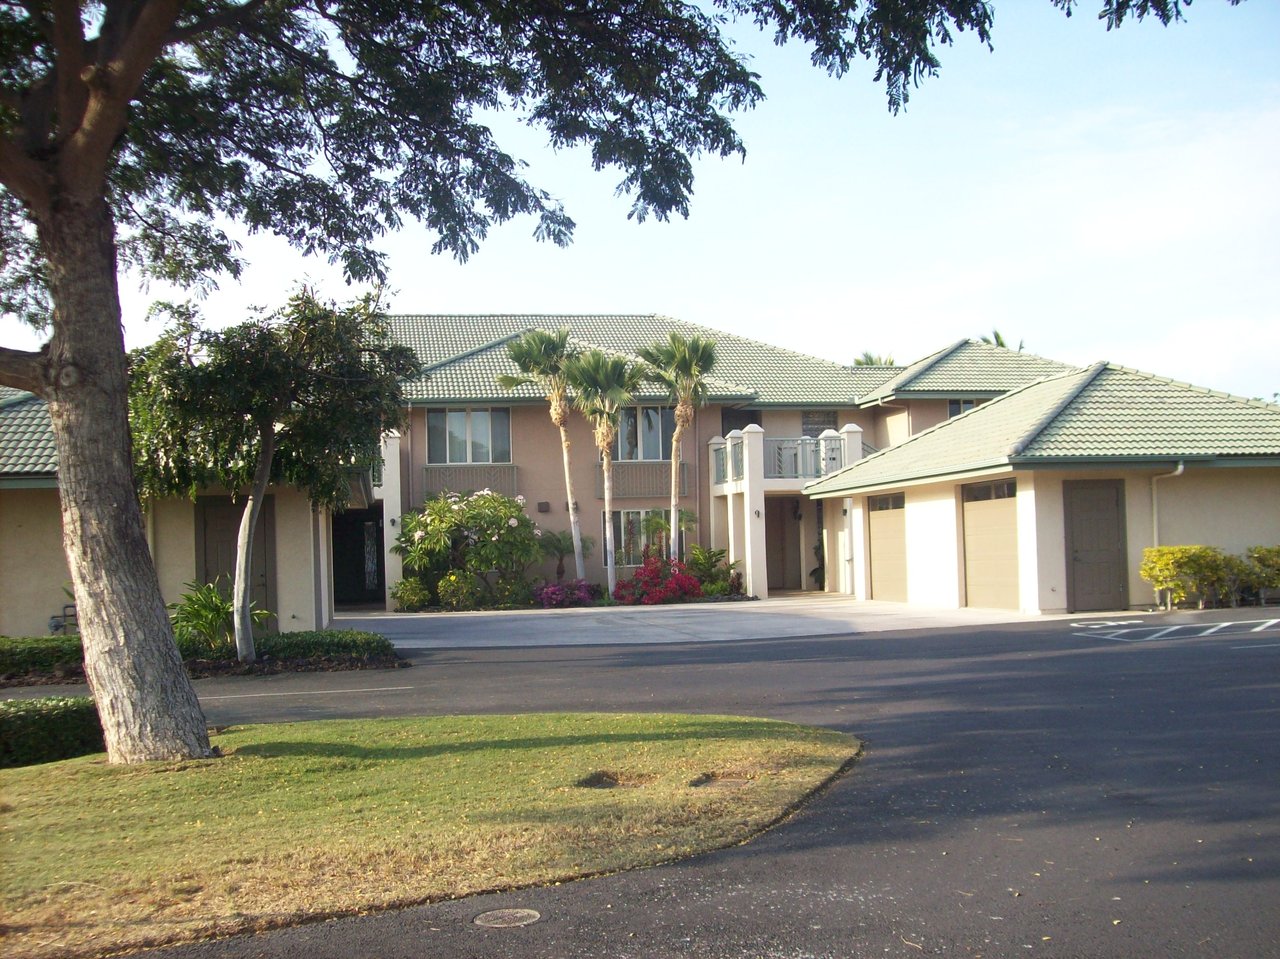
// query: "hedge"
[[1209, 575], [47, 655], [44, 730]]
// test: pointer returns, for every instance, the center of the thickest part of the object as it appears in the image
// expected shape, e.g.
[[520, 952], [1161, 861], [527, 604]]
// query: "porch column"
[[754, 568], [851, 436], [392, 506], [717, 527]]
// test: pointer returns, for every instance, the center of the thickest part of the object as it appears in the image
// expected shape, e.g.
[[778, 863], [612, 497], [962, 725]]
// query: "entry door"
[[1097, 567], [217, 527]]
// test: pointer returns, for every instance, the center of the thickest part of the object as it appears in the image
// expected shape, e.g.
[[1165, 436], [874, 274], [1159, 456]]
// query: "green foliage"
[[872, 359], [458, 590], [558, 545], [714, 571], [310, 389], [44, 730], [20, 655], [204, 622], [1209, 574], [412, 594], [325, 643], [680, 366], [486, 535]]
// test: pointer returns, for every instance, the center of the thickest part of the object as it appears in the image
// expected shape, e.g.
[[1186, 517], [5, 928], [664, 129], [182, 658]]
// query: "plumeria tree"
[[680, 365], [603, 384], [543, 360]]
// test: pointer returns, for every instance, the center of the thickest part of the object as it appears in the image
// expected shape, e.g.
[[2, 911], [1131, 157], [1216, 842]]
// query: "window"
[[737, 419], [813, 423], [1003, 489], [956, 407], [629, 534], [469, 436], [644, 433], [888, 501]]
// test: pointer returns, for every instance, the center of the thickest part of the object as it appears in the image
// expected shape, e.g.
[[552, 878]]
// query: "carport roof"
[[1104, 414], [965, 368]]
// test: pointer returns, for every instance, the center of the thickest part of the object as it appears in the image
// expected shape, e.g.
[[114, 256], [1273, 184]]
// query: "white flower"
[[513, 522], [419, 536], [520, 500], [537, 532], [495, 539]]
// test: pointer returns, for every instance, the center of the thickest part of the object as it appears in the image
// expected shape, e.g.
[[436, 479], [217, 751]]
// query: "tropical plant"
[[577, 592], [603, 384], [559, 545], [872, 359], [300, 397], [714, 572], [204, 621], [656, 527], [542, 359], [658, 580], [996, 339], [680, 365], [486, 535]]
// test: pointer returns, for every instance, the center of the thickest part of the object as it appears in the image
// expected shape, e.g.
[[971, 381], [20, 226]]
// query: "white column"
[[754, 567], [851, 435], [392, 507]]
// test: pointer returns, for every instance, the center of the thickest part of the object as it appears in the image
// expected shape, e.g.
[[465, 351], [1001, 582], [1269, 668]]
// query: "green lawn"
[[324, 818]]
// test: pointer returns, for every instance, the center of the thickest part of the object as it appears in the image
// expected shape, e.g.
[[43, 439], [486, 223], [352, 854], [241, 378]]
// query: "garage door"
[[888, 541], [991, 544]]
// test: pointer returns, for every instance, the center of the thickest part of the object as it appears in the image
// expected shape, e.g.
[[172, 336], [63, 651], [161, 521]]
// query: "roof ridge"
[[476, 349], [1090, 374], [912, 370], [1207, 391]]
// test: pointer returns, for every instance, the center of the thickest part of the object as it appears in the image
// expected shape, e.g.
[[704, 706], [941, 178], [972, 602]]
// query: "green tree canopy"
[[300, 397]]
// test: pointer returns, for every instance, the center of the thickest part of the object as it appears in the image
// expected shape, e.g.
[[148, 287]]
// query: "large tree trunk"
[[243, 598], [674, 538], [146, 702]]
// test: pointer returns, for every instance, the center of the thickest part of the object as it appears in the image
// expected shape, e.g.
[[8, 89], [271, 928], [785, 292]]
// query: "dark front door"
[[1097, 569], [217, 527], [358, 568]]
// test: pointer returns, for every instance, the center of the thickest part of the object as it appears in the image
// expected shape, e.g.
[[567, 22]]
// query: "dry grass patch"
[[312, 819]]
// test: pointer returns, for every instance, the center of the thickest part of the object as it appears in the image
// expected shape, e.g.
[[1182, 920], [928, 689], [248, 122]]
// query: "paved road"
[[1047, 789]]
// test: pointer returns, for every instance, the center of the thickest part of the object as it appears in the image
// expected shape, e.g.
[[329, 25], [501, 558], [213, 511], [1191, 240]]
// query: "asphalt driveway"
[[1060, 788]]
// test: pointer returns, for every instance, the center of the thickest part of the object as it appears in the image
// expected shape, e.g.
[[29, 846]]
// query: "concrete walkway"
[[789, 616]]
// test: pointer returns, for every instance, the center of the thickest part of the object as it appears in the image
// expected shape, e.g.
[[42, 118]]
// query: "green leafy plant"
[[49, 655], [204, 622], [714, 572], [44, 730], [558, 545], [458, 590], [412, 594]]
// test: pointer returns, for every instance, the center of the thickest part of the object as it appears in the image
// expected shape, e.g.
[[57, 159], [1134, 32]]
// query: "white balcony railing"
[[801, 457]]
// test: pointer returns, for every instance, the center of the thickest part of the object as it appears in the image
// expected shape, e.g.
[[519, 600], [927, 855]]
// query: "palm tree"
[[681, 365], [995, 339], [542, 358], [602, 386], [872, 359]]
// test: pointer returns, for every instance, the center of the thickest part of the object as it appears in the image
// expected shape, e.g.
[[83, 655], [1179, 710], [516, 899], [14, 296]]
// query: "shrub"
[[204, 622], [20, 655], [412, 594], [577, 592], [716, 575], [44, 730], [1265, 561], [458, 590], [657, 581], [308, 643], [1208, 574], [511, 592]]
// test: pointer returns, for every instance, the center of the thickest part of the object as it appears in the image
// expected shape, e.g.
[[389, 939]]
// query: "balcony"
[[469, 477], [643, 479], [802, 458]]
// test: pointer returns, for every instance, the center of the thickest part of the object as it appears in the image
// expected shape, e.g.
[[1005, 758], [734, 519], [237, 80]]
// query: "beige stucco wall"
[[33, 569]]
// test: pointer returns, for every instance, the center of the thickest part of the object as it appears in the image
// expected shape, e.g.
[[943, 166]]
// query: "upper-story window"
[[644, 433], [956, 407], [469, 436], [813, 423]]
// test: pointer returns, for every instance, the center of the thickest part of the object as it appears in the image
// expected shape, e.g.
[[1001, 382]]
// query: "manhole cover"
[[506, 918]]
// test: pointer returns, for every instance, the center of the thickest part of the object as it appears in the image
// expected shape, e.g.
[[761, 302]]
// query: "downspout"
[[1155, 500]]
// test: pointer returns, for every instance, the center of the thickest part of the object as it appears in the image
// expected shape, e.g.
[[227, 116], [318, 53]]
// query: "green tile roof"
[[464, 355], [1105, 414], [26, 436], [966, 367]]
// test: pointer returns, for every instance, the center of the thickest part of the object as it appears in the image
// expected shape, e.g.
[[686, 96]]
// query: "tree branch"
[[22, 369], [228, 18], [67, 39], [23, 176]]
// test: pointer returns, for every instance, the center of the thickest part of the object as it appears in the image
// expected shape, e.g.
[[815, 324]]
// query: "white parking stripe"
[[1268, 624]]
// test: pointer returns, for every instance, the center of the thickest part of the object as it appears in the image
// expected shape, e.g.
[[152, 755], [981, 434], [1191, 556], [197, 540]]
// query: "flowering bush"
[[486, 535], [657, 581], [458, 590], [576, 592]]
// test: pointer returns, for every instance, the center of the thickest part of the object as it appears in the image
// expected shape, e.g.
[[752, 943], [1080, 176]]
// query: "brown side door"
[[1097, 567], [217, 526]]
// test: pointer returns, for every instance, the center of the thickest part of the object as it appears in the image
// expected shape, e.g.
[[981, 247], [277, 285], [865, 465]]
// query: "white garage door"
[[887, 537], [991, 545]]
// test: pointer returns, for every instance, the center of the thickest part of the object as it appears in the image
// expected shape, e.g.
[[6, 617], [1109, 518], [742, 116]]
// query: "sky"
[[1094, 195]]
